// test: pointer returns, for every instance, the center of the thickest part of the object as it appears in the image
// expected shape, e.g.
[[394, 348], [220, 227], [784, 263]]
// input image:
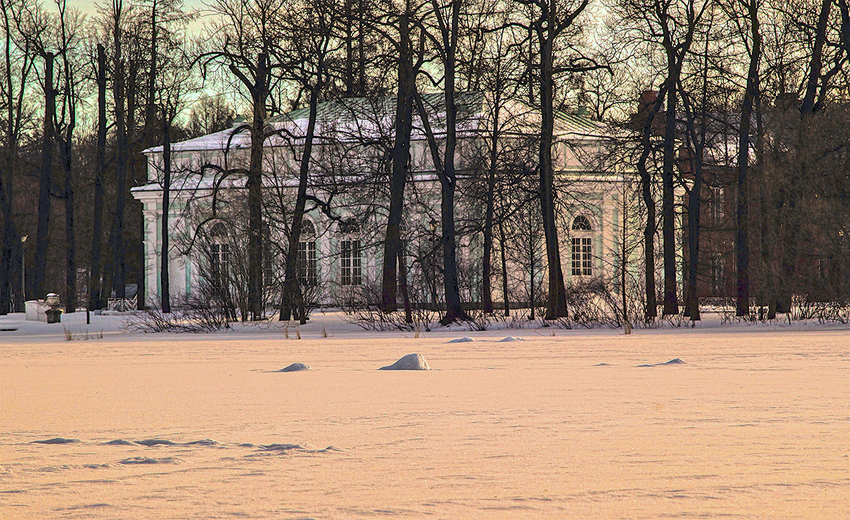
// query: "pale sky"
[[89, 7]]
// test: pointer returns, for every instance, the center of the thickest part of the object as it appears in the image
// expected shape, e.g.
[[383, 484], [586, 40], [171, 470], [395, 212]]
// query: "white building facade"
[[341, 239]]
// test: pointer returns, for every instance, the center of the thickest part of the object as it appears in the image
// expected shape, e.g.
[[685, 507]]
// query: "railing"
[[123, 304]]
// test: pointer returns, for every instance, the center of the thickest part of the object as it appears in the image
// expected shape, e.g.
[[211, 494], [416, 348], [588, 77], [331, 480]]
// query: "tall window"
[[717, 274], [219, 254], [351, 269], [582, 247], [716, 205], [307, 255]]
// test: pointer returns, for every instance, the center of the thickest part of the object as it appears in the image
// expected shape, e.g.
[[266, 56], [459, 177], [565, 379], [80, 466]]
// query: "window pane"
[[307, 263], [350, 263], [581, 223], [356, 272], [582, 261]]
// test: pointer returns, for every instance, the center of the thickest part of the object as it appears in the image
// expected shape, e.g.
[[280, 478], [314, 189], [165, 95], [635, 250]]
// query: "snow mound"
[[674, 361], [120, 442], [156, 442], [510, 338], [57, 440], [203, 442], [413, 361], [296, 367], [282, 447], [150, 460], [464, 339]]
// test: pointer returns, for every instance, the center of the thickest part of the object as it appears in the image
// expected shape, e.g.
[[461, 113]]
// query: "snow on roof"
[[214, 141], [356, 119], [578, 126]]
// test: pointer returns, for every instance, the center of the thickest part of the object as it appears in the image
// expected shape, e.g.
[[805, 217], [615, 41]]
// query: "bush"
[[194, 314]]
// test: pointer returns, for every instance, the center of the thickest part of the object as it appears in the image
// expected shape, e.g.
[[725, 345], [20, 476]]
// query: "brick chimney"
[[645, 102]]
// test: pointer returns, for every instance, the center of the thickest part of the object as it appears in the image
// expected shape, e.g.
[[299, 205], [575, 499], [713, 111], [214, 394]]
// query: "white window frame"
[[220, 254], [350, 262], [307, 270], [350, 254], [582, 246]]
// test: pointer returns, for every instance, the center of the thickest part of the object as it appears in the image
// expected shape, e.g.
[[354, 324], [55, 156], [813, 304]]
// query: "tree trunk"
[[254, 184], [650, 304], [164, 273], [402, 285], [67, 158], [153, 70], [445, 171], [532, 250], [557, 304], [11, 240], [624, 259], [694, 204], [41, 240], [486, 291], [292, 295], [671, 301], [504, 259], [5, 253], [742, 246], [448, 180], [132, 154], [119, 249], [70, 232], [454, 309], [95, 300], [400, 162], [845, 24], [816, 60], [7, 249], [348, 77], [361, 49]]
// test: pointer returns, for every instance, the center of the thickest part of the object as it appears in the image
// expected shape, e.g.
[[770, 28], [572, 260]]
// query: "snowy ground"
[[565, 424]]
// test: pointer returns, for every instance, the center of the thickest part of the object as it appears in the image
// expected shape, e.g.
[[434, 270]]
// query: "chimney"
[[647, 98], [645, 102]]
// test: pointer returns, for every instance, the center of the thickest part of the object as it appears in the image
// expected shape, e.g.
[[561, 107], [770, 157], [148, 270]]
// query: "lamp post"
[[24, 268]]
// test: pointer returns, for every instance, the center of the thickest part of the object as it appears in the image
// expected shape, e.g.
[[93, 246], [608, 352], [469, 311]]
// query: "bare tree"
[[117, 14], [409, 59], [305, 57], [249, 30], [672, 25], [46, 177], [550, 22], [209, 114], [749, 28], [445, 41], [95, 286], [19, 59], [70, 23]]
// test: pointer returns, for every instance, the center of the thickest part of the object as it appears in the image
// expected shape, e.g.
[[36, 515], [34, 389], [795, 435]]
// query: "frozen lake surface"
[[733, 421]]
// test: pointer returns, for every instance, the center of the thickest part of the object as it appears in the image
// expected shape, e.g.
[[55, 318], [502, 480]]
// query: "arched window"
[[350, 261], [581, 223], [219, 253], [582, 247], [349, 226], [307, 272]]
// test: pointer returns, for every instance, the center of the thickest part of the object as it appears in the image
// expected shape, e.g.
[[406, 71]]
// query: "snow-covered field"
[[754, 423]]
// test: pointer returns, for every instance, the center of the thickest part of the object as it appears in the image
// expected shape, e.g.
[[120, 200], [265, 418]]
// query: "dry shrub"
[[194, 314]]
